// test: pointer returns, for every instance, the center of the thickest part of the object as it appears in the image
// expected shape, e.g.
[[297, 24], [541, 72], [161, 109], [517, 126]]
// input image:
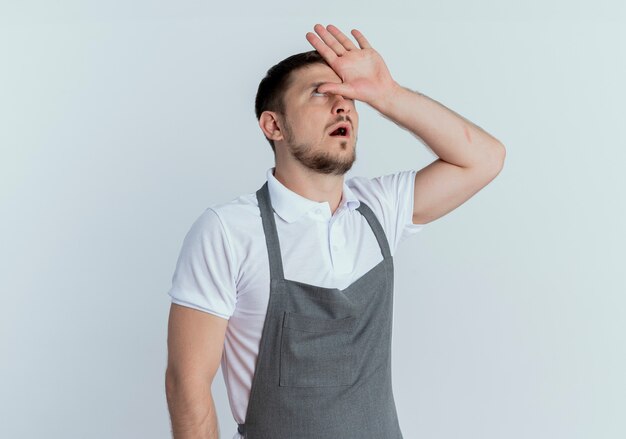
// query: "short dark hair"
[[272, 88]]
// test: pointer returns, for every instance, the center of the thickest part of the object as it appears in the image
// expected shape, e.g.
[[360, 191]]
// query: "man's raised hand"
[[364, 74]]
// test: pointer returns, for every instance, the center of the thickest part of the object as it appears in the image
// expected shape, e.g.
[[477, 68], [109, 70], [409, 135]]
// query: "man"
[[291, 287]]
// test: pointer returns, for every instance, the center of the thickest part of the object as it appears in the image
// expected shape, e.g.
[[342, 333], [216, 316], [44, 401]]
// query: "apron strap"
[[271, 235], [377, 228]]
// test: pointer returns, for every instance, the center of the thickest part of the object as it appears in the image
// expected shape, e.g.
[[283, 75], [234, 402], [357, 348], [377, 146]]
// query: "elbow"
[[489, 158], [501, 151], [174, 386], [170, 384], [502, 156], [497, 157]]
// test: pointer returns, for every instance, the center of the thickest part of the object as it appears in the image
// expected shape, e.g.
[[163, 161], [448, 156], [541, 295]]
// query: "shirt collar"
[[290, 206]]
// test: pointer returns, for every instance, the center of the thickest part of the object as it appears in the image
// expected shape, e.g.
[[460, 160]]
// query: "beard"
[[323, 162]]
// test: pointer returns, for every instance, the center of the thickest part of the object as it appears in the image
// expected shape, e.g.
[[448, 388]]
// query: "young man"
[[291, 286]]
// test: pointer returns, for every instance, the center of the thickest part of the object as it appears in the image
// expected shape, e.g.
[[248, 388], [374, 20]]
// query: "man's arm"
[[195, 342], [469, 158]]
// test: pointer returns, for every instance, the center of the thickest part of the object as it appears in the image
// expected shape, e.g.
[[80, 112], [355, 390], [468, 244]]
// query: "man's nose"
[[342, 104]]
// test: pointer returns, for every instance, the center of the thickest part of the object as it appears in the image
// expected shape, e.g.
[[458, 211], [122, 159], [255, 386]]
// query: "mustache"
[[341, 119]]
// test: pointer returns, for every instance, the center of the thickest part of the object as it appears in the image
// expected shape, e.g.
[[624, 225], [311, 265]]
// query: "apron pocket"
[[316, 352]]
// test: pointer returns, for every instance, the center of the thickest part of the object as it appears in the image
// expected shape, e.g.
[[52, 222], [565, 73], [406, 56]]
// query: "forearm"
[[192, 412], [450, 136]]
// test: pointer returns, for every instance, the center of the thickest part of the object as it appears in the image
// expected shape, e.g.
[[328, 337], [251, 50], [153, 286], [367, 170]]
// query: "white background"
[[121, 121]]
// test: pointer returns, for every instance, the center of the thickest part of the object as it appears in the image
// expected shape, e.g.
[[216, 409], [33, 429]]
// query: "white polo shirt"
[[223, 266]]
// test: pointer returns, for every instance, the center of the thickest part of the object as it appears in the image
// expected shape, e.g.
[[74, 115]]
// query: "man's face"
[[311, 118]]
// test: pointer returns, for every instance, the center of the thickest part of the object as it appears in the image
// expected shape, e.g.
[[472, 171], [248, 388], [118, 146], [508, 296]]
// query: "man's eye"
[[317, 93]]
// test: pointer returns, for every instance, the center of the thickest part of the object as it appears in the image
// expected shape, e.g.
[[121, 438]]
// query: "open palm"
[[364, 74]]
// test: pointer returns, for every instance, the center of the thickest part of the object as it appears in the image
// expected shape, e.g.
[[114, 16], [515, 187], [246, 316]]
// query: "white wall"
[[121, 121]]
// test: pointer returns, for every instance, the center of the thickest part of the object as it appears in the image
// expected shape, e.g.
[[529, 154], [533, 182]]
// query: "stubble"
[[323, 162]]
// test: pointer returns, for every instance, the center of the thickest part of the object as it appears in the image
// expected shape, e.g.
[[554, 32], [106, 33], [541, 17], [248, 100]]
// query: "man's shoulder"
[[241, 205], [232, 213], [227, 225]]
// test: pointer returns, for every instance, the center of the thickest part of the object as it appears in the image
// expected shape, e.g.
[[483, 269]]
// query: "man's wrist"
[[388, 98]]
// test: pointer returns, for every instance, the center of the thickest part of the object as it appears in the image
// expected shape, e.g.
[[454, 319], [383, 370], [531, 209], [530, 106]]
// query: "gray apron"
[[324, 365]]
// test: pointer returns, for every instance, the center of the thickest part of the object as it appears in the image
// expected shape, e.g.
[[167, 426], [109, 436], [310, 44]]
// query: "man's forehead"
[[313, 76]]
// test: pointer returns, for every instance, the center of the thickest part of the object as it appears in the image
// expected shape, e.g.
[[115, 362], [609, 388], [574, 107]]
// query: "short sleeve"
[[391, 198], [406, 202], [204, 277]]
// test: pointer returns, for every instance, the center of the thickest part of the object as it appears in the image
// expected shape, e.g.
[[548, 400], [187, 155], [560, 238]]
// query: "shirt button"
[[335, 248], [318, 211]]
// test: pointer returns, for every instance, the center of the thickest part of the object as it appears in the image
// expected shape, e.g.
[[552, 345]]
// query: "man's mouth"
[[342, 131]]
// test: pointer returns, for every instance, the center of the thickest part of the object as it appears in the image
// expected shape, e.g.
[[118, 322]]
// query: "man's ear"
[[270, 125]]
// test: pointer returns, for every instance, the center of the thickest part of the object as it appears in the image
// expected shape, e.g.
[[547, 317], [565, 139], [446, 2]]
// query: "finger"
[[345, 41], [330, 40], [337, 89], [361, 39], [327, 53]]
